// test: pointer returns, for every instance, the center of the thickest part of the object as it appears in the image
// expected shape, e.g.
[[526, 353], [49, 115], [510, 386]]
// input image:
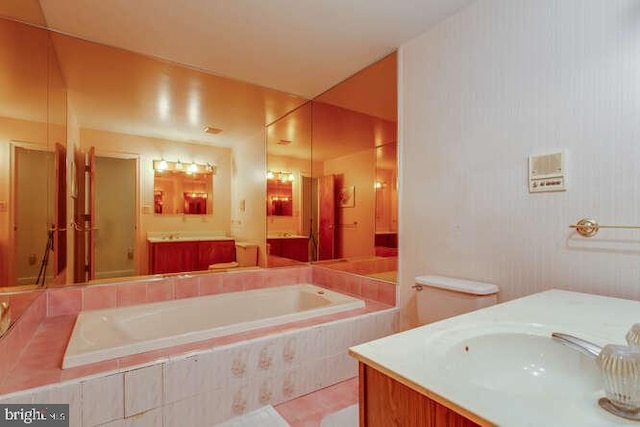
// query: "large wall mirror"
[[84, 125], [81, 126], [33, 187], [340, 152]]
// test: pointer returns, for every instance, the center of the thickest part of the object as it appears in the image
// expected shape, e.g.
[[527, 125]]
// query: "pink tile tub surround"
[[99, 297], [72, 300], [205, 386], [46, 340], [365, 287], [46, 349], [366, 265], [15, 340]]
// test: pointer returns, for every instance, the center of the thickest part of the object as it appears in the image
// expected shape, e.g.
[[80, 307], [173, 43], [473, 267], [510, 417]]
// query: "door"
[[114, 216], [60, 212], [90, 218], [84, 216], [79, 237], [327, 213], [310, 215]]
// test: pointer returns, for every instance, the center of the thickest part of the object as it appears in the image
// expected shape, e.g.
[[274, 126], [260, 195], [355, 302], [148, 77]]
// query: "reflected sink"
[[521, 364]]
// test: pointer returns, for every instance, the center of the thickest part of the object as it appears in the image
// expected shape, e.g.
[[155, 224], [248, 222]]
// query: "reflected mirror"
[[280, 194], [182, 192]]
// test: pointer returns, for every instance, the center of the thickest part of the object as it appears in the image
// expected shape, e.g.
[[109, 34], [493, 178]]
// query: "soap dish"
[[620, 367], [608, 406]]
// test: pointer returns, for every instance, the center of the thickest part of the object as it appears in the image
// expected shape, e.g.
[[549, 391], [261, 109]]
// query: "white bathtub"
[[107, 334]]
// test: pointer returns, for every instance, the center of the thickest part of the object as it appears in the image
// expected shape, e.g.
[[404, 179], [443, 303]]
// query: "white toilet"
[[246, 256], [440, 297]]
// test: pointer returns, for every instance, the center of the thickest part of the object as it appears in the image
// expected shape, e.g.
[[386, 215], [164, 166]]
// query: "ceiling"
[[299, 47], [290, 51]]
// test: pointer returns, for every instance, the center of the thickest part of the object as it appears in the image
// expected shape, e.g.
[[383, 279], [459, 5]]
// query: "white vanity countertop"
[[286, 236], [409, 358], [184, 236]]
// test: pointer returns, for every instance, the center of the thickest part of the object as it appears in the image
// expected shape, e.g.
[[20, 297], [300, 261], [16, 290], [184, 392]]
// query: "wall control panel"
[[547, 172]]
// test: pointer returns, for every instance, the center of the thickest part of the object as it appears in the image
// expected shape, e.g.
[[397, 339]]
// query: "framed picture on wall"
[[347, 197]]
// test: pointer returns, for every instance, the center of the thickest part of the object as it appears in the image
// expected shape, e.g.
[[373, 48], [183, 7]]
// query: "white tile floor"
[[347, 417], [263, 417]]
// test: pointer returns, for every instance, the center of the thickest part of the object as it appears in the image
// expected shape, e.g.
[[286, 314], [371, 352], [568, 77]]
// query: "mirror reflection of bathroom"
[[141, 132], [33, 157], [345, 207], [289, 173]]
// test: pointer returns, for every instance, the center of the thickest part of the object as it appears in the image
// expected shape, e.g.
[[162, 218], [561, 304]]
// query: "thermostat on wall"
[[547, 173]]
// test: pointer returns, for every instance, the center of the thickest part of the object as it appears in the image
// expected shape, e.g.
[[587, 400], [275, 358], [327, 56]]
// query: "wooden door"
[[79, 235], [327, 213], [84, 222], [90, 222], [60, 212]]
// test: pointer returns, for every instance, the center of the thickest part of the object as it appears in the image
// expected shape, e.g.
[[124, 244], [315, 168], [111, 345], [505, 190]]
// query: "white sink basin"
[[521, 364]]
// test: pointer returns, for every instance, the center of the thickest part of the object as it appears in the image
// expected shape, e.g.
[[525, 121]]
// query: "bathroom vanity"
[[495, 366], [292, 247], [188, 253]]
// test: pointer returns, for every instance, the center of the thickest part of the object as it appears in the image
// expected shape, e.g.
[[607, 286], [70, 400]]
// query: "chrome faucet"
[[5, 317], [586, 347]]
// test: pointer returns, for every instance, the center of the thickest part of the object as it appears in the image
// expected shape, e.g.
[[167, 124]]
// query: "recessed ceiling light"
[[211, 130]]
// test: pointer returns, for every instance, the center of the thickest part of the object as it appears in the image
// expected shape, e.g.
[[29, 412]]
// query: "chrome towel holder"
[[589, 227]]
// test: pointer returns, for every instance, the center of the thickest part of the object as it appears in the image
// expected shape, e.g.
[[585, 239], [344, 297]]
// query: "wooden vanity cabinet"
[[290, 247], [176, 257], [385, 401], [216, 251]]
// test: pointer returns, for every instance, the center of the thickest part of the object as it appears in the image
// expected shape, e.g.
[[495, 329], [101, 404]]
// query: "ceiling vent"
[[211, 130]]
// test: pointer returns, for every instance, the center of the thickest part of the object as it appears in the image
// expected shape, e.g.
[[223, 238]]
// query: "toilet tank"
[[440, 297], [246, 254]]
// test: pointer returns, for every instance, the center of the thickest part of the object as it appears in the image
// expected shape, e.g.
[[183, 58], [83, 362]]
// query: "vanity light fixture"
[[192, 168], [281, 176]]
